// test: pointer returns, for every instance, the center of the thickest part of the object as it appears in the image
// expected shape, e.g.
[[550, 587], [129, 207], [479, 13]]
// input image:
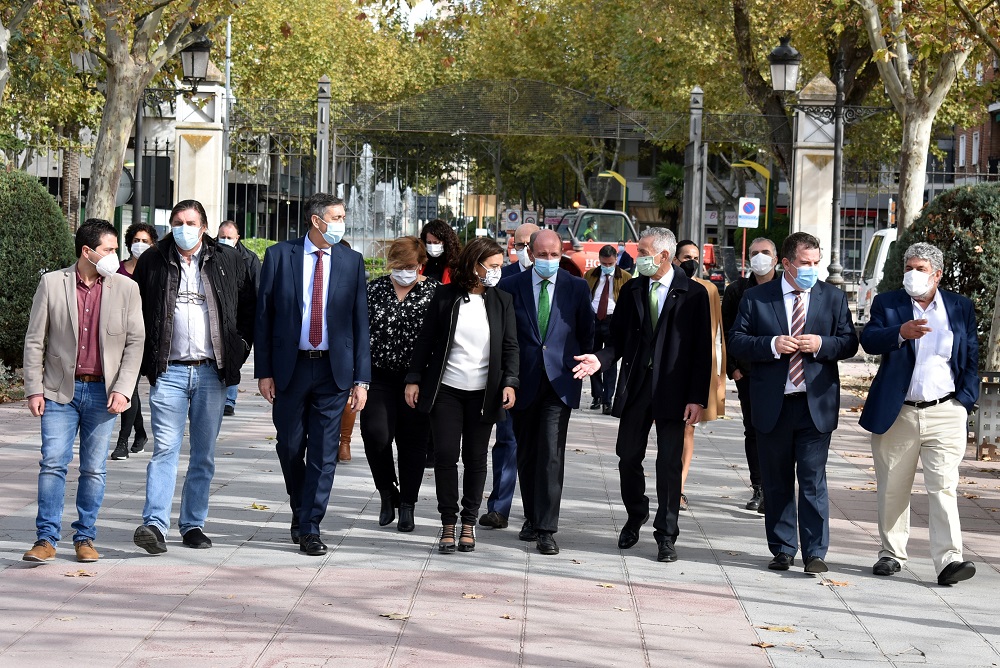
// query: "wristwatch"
[[363, 386]]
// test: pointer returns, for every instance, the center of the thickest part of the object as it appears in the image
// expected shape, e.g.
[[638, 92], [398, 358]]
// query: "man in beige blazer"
[[82, 353]]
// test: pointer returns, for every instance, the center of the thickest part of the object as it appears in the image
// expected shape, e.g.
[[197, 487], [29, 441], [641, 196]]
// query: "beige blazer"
[[717, 394], [52, 340]]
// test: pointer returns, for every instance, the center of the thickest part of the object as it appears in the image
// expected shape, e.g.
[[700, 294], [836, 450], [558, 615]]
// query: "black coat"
[[430, 353], [730, 308], [158, 274], [680, 346]]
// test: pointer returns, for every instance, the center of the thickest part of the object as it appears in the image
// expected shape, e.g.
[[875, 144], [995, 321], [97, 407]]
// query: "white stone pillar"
[[200, 152], [812, 167]]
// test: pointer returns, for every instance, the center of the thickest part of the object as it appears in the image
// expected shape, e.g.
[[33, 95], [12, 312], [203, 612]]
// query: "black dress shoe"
[[197, 539], [493, 520], [149, 538], [390, 501], [815, 565], [955, 572], [665, 550], [757, 499], [630, 533], [527, 532], [607, 409], [229, 410], [886, 566], [547, 543], [312, 545], [595, 404], [294, 530], [139, 444], [405, 522], [781, 562]]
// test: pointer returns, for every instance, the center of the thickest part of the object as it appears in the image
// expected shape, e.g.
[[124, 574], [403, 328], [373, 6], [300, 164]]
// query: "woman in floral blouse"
[[397, 304]]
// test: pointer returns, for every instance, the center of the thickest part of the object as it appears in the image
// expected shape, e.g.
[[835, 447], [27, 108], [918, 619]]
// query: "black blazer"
[[430, 352], [680, 347]]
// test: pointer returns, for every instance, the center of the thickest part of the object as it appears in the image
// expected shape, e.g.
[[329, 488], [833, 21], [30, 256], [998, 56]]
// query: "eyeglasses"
[[520, 246]]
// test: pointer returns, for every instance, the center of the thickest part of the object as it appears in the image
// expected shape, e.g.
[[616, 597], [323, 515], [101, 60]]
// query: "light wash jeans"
[[88, 414], [180, 393], [231, 393]]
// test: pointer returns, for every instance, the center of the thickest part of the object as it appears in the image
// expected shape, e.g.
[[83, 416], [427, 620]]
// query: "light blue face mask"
[[546, 268], [334, 232], [606, 270], [806, 277], [186, 236]]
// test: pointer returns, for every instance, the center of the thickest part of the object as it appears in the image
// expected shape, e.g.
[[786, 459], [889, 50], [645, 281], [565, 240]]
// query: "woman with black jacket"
[[464, 372]]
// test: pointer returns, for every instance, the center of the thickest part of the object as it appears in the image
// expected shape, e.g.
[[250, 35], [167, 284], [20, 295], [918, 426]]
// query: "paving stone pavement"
[[255, 600]]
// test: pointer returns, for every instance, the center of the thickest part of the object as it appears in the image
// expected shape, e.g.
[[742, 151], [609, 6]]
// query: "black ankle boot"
[[405, 517], [387, 513]]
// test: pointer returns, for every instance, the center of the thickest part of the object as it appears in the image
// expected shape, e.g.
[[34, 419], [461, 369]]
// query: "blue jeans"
[[504, 468], [88, 414], [180, 393], [231, 393]]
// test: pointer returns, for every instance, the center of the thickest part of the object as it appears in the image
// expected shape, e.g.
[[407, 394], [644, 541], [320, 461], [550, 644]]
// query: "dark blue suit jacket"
[[512, 269], [279, 315], [570, 333], [761, 318], [881, 337]]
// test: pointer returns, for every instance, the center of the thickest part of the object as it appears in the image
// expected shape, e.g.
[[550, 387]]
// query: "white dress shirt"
[[595, 303], [788, 297], [932, 376], [191, 337], [308, 269], [536, 287]]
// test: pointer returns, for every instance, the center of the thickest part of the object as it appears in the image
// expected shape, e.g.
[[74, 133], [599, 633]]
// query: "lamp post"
[[194, 64], [608, 174]]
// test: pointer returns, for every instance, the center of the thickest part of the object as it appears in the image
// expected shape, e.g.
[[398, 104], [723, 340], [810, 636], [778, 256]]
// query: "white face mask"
[[228, 242], [761, 264], [492, 276], [138, 248], [107, 266], [404, 277], [917, 283], [522, 257], [435, 250]]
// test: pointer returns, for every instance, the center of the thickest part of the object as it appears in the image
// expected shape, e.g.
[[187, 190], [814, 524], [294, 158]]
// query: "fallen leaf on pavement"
[[970, 496], [229, 596], [579, 450], [779, 629], [506, 617], [605, 585], [762, 644], [834, 583], [394, 615], [472, 595], [270, 438], [622, 609], [79, 574], [259, 506], [227, 453], [734, 554], [575, 561], [65, 619]]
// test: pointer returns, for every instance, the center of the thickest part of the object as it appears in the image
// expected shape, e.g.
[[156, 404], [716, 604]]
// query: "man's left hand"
[[117, 403], [359, 396], [692, 414], [809, 343]]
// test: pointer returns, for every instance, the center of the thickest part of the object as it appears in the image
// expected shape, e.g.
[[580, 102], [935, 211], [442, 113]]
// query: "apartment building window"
[[975, 148], [961, 151]]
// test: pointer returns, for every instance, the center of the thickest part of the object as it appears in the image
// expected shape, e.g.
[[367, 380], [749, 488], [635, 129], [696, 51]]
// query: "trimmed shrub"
[[258, 246], [34, 239], [964, 223]]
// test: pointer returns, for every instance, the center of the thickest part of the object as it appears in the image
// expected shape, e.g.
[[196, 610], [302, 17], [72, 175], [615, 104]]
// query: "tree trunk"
[[913, 161], [70, 188], [125, 85]]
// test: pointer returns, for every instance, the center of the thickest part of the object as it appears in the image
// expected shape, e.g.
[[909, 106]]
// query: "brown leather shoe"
[[85, 552], [41, 551]]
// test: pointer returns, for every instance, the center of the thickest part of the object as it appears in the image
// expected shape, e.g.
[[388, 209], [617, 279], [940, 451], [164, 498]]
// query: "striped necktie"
[[796, 373]]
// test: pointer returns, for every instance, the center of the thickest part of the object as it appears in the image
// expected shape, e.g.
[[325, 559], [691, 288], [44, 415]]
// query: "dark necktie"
[[602, 306], [796, 373], [316, 305]]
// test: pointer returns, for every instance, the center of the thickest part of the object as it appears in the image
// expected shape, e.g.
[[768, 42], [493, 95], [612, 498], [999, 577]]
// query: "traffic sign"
[[748, 214]]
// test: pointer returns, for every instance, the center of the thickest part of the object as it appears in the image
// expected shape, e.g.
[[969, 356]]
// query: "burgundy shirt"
[[122, 270], [88, 308]]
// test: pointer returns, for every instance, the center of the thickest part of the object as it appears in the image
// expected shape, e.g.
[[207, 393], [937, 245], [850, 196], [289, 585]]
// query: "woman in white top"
[[464, 372]]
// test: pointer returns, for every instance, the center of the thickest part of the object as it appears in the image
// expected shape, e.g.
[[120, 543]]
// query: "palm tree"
[[668, 189]]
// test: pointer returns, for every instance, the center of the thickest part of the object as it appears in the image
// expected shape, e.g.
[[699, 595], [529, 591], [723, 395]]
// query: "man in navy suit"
[[313, 357], [554, 324], [918, 406], [505, 449], [793, 332], [662, 333]]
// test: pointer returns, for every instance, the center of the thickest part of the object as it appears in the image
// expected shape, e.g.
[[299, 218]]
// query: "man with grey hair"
[[662, 330], [917, 408]]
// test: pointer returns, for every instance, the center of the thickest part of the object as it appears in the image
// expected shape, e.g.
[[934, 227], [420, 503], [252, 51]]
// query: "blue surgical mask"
[[334, 232], [546, 268], [645, 265], [186, 236], [606, 270], [621, 248], [806, 277]]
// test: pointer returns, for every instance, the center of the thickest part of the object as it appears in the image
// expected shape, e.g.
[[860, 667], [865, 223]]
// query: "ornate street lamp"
[[194, 62], [785, 62]]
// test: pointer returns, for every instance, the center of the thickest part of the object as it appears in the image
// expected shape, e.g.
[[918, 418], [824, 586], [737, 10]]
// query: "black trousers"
[[132, 418], [540, 430], [387, 417], [602, 383], [457, 427], [306, 416], [749, 433], [633, 434]]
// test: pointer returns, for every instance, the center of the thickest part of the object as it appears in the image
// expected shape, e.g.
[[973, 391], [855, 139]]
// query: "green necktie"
[[543, 308], [654, 302]]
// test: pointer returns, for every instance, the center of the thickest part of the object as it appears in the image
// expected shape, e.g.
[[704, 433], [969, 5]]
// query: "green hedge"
[[258, 246], [34, 239], [964, 223]]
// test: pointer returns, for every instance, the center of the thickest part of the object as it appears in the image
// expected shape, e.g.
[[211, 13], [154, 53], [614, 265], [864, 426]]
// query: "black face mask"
[[689, 267]]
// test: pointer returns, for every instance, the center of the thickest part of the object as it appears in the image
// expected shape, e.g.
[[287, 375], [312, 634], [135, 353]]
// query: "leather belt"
[[88, 378], [314, 354], [190, 362], [795, 395], [933, 402]]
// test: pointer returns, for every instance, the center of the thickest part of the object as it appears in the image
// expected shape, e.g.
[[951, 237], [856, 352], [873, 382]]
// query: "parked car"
[[871, 272]]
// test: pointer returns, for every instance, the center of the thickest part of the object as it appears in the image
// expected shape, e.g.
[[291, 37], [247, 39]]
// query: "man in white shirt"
[[605, 282], [917, 408]]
